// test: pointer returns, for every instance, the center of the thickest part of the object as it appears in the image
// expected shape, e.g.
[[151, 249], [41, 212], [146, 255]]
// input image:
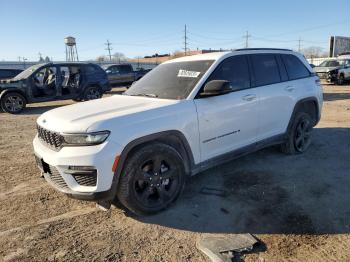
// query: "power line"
[[109, 48]]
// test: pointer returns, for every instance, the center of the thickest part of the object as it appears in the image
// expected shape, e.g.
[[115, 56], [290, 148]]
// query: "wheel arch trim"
[[299, 104], [6, 91], [159, 137]]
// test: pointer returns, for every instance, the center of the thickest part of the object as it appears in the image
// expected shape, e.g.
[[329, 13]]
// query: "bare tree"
[[313, 51], [101, 58], [119, 57]]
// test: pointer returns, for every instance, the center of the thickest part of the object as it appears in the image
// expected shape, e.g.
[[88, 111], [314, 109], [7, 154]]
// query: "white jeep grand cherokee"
[[186, 115]]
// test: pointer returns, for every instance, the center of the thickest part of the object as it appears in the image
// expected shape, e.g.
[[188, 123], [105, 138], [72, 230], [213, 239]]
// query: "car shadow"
[[269, 192], [335, 96]]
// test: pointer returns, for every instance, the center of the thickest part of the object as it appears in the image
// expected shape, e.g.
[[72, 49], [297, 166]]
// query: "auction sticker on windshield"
[[186, 73]]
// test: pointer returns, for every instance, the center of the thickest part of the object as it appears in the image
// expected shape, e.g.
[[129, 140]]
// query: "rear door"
[[277, 93], [128, 73], [228, 122]]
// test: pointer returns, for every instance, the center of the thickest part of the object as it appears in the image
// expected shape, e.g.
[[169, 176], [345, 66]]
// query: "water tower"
[[71, 49]]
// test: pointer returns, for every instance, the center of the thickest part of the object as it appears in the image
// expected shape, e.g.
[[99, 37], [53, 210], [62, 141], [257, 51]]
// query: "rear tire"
[[152, 178], [92, 92], [13, 103], [299, 135]]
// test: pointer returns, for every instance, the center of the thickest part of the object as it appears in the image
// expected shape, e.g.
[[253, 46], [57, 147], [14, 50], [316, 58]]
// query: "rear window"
[[295, 68], [265, 69]]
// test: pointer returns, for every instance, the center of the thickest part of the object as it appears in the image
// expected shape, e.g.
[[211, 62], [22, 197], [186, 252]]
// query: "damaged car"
[[53, 81], [335, 71]]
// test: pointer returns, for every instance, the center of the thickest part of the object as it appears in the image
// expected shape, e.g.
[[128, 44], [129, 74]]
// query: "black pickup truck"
[[123, 74]]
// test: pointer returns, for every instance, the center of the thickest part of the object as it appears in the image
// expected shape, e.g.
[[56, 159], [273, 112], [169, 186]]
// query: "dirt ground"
[[297, 206]]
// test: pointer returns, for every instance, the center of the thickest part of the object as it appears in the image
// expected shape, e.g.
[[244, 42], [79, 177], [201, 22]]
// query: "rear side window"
[[235, 70], [295, 68], [265, 69], [90, 69]]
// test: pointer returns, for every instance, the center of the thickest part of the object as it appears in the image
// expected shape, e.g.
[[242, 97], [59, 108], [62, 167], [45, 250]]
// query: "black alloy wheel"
[[153, 177], [13, 103]]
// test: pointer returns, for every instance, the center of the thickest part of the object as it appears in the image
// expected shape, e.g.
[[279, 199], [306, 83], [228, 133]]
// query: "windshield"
[[27, 72], [170, 80], [332, 63]]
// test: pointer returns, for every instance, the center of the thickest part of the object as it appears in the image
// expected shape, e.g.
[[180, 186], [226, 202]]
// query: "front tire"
[[153, 177], [341, 80], [299, 135], [13, 103]]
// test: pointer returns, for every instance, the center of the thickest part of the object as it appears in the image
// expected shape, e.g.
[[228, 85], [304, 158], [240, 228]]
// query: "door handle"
[[249, 97], [289, 88]]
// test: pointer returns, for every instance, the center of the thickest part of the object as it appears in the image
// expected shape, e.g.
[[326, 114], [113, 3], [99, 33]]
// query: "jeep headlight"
[[85, 139]]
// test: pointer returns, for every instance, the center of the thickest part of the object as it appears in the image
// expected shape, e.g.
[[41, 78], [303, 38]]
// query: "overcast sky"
[[139, 28]]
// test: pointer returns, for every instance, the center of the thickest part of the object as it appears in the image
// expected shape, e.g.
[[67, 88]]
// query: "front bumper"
[[56, 167]]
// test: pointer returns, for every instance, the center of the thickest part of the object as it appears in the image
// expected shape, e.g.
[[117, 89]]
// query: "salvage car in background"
[[123, 74], [335, 70], [341, 74], [9, 73], [53, 81]]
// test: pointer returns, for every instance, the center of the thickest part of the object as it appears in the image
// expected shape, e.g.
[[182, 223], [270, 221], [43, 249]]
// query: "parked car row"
[[335, 70], [61, 81], [53, 81], [123, 74]]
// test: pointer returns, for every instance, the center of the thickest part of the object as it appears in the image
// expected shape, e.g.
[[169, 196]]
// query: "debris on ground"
[[223, 248]]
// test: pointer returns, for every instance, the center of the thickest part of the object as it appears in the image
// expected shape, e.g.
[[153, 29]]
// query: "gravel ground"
[[297, 206]]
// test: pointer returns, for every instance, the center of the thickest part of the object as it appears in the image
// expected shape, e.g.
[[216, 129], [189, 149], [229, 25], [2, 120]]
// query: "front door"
[[228, 122], [43, 84]]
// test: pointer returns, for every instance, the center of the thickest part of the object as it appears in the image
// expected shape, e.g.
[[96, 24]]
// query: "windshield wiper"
[[148, 95]]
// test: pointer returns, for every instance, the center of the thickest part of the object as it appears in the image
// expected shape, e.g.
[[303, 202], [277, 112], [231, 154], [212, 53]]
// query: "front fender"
[[12, 90]]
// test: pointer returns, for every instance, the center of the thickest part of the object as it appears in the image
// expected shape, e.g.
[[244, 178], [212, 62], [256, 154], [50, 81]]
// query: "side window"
[[265, 68], [295, 68], [125, 69], [235, 70], [45, 77], [90, 69]]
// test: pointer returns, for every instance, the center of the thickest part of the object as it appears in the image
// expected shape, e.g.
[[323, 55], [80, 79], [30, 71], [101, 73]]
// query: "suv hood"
[[79, 117], [319, 69], [9, 81]]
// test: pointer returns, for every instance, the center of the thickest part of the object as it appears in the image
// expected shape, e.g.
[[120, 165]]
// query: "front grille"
[[56, 178], [322, 75], [52, 139], [86, 180]]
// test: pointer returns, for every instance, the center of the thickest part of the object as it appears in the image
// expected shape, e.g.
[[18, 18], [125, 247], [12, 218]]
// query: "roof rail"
[[247, 49]]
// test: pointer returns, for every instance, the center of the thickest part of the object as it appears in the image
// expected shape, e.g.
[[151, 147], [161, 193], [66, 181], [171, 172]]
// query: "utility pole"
[[299, 44], [109, 48], [246, 36], [185, 40], [24, 62]]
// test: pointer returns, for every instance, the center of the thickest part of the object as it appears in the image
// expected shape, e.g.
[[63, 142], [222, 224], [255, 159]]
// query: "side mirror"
[[216, 87], [108, 71]]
